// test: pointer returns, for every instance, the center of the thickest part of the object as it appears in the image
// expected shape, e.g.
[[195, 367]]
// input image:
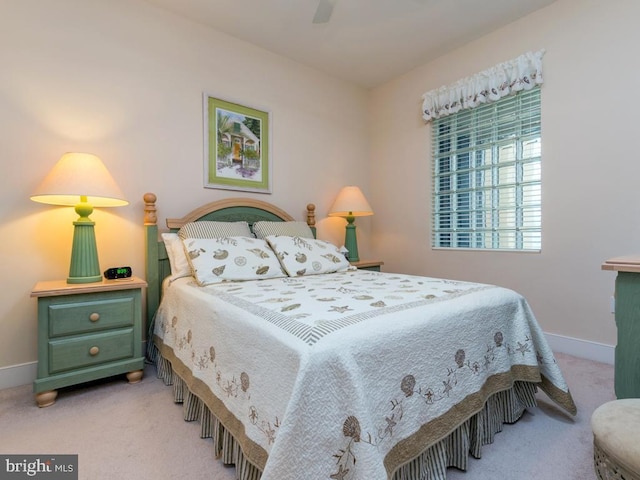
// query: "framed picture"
[[237, 146]]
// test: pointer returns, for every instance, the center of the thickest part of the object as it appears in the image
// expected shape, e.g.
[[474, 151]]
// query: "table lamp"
[[349, 204], [81, 180]]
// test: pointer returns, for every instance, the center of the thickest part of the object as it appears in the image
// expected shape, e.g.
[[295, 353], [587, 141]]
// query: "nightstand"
[[86, 332], [373, 265]]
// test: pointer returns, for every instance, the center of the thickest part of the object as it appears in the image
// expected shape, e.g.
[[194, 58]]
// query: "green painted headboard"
[[228, 210]]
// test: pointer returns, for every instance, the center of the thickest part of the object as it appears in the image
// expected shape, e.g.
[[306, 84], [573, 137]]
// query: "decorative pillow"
[[214, 260], [213, 229], [263, 229], [177, 258], [307, 256]]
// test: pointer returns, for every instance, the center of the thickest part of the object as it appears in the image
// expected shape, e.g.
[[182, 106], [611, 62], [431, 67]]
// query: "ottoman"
[[616, 439]]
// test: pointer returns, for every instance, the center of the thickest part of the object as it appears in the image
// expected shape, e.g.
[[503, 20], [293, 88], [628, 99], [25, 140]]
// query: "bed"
[[347, 375]]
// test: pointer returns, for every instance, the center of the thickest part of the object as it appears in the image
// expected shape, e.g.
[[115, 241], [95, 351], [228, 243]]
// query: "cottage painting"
[[237, 146]]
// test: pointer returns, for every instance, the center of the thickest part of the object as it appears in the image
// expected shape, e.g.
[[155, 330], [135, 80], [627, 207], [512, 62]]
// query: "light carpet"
[[136, 432]]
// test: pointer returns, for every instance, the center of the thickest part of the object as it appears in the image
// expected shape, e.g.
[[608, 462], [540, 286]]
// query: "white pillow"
[[177, 257], [307, 256], [263, 229], [214, 260], [214, 229]]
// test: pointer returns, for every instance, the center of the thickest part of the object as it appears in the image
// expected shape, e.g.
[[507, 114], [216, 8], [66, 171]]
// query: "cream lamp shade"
[[76, 175], [351, 203], [81, 180]]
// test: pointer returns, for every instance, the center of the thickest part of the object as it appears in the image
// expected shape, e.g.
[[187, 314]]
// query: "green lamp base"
[[84, 252], [350, 240]]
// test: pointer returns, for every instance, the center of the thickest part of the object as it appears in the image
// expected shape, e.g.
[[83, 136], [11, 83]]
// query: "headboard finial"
[[311, 215], [150, 216]]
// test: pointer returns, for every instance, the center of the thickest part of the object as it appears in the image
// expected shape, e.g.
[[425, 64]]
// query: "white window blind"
[[487, 175]]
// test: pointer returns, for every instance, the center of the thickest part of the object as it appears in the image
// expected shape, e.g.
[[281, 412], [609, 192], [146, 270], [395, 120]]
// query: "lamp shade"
[[79, 175], [350, 202]]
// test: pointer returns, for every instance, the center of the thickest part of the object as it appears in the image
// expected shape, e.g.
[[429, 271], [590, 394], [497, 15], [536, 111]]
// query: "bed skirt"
[[452, 451]]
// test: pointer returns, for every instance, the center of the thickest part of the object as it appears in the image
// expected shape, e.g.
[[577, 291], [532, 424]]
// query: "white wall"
[[124, 80], [590, 166]]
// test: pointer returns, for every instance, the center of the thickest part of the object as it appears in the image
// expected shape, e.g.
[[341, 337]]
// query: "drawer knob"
[[93, 351], [94, 317]]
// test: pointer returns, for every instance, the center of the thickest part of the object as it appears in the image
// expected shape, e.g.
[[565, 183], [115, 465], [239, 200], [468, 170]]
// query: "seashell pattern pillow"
[[307, 256], [215, 260]]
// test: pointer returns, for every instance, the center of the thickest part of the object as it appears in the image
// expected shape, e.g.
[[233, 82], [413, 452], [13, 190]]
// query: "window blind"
[[487, 176]]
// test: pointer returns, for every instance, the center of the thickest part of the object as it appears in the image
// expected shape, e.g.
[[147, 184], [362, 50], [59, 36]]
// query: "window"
[[487, 177]]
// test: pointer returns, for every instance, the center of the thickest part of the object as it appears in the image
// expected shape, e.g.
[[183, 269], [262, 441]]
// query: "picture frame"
[[237, 150]]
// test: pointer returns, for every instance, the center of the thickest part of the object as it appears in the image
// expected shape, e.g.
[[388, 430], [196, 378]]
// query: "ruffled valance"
[[522, 73]]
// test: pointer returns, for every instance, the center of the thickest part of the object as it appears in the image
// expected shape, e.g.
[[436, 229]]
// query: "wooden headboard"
[[228, 210]]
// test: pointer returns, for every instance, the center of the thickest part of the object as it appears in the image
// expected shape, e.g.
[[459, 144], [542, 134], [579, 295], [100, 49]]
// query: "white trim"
[[17, 375], [598, 352]]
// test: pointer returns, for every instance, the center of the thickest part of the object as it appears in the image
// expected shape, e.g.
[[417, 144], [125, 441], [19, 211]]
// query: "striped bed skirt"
[[451, 451]]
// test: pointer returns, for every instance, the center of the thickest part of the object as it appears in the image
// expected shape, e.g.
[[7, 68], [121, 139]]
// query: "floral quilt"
[[349, 375]]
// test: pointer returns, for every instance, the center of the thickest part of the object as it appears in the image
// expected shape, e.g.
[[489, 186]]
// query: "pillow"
[[213, 229], [177, 257], [307, 256], [263, 229], [214, 260]]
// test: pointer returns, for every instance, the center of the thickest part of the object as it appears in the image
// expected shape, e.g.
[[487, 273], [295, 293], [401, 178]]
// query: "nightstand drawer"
[[80, 317], [77, 352]]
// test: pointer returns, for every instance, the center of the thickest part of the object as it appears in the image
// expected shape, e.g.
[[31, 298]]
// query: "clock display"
[[117, 272]]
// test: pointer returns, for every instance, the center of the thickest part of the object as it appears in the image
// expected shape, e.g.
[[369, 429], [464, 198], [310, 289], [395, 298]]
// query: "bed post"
[[311, 217], [151, 256]]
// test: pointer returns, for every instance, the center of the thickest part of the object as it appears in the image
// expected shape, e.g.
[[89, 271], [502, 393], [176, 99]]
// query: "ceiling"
[[367, 42]]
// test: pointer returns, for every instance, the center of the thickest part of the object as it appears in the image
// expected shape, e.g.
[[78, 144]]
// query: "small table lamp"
[[81, 180], [350, 204]]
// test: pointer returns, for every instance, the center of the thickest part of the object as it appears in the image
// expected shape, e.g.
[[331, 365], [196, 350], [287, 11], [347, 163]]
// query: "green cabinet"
[[627, 315], [627, 366], [87, 332]]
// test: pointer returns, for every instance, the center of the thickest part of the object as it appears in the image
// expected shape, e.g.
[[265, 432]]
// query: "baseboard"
[[26, 373], [17, 375], [598, 352]]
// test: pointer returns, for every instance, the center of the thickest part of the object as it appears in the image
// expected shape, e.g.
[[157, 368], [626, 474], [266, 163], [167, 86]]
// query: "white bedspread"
[[349, 375]]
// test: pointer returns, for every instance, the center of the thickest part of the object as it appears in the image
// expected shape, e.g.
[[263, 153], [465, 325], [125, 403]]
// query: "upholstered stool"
[[616, 439]]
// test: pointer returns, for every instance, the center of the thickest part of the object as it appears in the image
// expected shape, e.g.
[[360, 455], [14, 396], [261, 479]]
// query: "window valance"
[[507, 78]]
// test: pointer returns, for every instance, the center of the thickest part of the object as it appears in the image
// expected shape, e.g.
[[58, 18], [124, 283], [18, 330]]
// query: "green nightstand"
[[86, 332], [373, 265]]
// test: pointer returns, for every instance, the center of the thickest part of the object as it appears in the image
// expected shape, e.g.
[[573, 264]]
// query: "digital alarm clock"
[[117, 272]]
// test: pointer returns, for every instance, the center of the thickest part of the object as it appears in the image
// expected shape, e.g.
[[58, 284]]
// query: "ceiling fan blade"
[[323, 12]]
